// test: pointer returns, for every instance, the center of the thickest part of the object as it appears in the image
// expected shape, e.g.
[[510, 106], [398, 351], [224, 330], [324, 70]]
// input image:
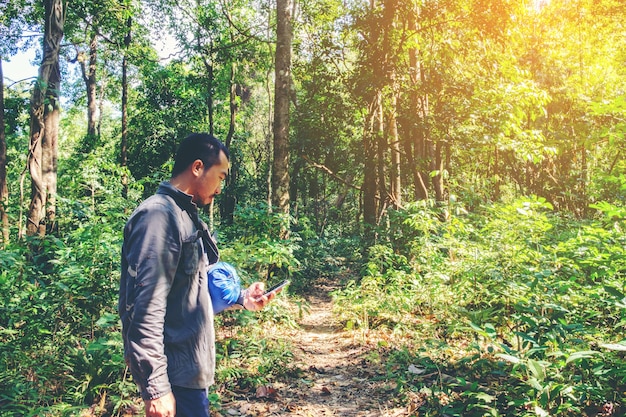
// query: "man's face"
[[209, 182]]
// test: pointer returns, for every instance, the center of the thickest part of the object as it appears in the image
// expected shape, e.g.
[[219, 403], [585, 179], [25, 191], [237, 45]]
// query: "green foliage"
[[253, 243], [330, 255], [169, 107], [57, 320], [519, 100], [249, 361], [59, 334], [537, 299], [249, 352]]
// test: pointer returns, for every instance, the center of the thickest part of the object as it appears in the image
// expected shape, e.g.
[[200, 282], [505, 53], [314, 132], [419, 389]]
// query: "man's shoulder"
[[157, 202], [164, 205], [154, 207]]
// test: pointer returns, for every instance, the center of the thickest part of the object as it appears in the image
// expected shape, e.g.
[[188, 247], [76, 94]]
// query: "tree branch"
[[329, 172]]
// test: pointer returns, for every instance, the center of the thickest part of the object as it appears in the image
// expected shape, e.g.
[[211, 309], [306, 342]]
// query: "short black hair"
[[202, 146]]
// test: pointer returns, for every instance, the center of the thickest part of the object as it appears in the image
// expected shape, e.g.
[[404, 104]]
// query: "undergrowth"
[[516, 312], [60, 341], [512, 310]]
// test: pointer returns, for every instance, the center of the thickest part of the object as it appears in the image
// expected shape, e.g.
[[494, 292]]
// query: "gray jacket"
[[167, 318]]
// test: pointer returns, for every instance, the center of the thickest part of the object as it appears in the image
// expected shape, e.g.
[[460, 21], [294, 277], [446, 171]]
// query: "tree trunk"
[[270, 115], [209, 98], [437, 166], [44, 124], [423, 148], [90, 82], [395, 174], [419, 106], [228, 208], [381, 162], [88, 72], [418, 151], [37, 131], [232, 106], [4, 190], [101, 101], [370, 186], [584, 174], [124, 144], [280, 166], [420, 191], [497, 175], [50, 151]]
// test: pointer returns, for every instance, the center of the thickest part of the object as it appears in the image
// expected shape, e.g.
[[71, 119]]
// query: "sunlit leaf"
[[508, 358], [537, 369], [614, 346], [580, 355], [416, 370]]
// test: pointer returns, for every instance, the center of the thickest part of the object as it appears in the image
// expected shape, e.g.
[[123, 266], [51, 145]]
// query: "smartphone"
[[277, 286]]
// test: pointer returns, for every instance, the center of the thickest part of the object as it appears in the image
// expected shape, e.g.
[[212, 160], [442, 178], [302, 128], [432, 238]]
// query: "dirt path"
[[335, 379]]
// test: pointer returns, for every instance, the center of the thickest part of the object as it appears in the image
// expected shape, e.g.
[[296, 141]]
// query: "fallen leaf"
[[243, 410], [315, 369], [415, 370], [265, 391], [292, 408]]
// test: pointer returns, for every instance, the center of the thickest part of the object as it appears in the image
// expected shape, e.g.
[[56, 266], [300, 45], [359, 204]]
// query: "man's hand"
[[161, 407], [255, 299]]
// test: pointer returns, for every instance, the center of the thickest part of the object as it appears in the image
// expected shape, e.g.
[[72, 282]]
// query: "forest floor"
[[336, 376]]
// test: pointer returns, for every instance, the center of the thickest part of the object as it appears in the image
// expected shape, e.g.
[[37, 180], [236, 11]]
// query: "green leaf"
[[537, 369], [508, 358], [614, 292], [581, 355], [533, 382], [485, 397], [614, 346], [489, 331], [107, 320]]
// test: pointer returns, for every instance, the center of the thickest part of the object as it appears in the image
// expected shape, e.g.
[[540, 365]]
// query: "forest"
[[453, 168]]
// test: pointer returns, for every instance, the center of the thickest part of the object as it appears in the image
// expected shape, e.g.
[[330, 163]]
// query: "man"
[[167, 317]]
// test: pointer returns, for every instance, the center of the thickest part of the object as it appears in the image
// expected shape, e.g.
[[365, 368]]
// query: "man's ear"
[[197, 167]]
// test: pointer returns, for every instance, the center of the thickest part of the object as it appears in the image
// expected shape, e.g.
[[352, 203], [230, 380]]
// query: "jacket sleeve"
[[152, 247]]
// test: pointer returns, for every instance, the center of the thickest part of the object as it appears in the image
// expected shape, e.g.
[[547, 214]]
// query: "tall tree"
[[394, 141], [44, 124], [12, 25], [124, 135], [282, 94], [371, 179], [417, 103], [569, 41], [4, 190], [374, 79], [93, 28], [227, 209], [88, 66]]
